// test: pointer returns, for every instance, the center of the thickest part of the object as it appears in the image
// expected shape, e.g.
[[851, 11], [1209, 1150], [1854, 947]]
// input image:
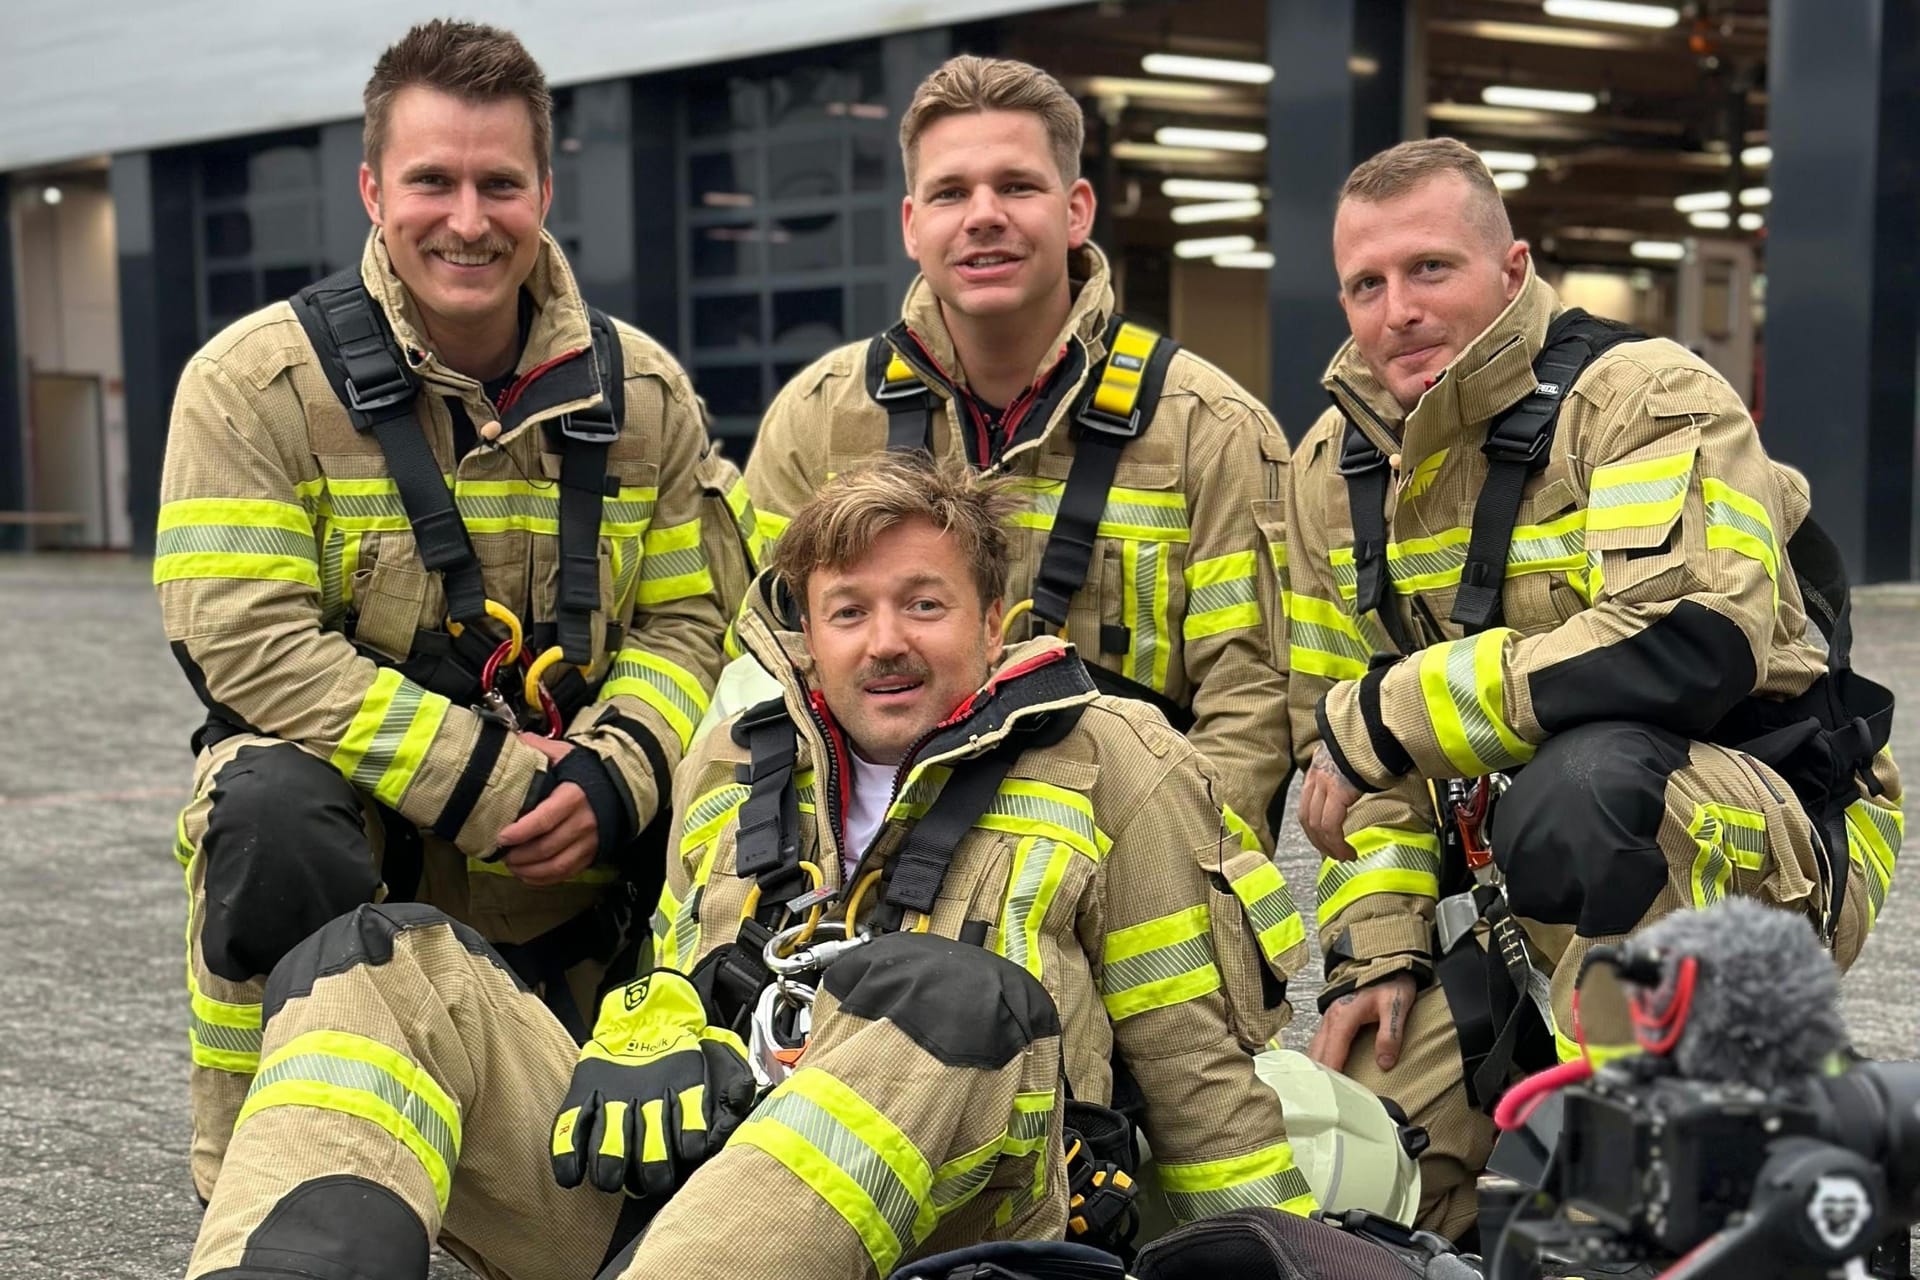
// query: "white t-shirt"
[[872, 792]]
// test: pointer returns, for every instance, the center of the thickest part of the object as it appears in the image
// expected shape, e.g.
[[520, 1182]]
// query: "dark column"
[[655, 209], [1843, 268], [159, 322], [1322, 119], [13, 455]]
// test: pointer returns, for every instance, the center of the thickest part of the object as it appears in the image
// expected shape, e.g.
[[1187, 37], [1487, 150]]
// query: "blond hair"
[[853, 509], [470, 60], [968, 84], [1401, 168]]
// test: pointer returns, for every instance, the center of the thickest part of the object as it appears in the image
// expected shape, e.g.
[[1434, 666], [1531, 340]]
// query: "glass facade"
[[257, 207]]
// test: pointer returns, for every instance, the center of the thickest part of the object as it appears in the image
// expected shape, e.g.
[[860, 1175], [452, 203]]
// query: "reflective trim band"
[[628, 512], [1873, 840], [1039, 866], [1220, 596], [669, 689], [350, 1074], [1263, 1178], [661, 924], [225, 1037], [1724, 836], [182, 847], [235, 538], [1322, 640], [1157, 964], [852, 1157], [502, 506], [747, 521], [673, 565], [1465, 695], [1638, 495], [960, 1179], [1278, 552], [1739, 524], [770, 526], [339, 557], [1434, 563], [1144, 515], [918, 792], [1567, 1050], [586, 875], [1032, 1119], [709, 813], [364, 506], [1387, 860], [1269, 905], [625, 553], [1023, 807], [388, 739], [1144, 589], [805, 790]]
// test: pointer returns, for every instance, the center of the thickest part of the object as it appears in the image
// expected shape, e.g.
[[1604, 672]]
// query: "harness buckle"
[[901, 390], [393, 389], [590, 426], [1455, 918], [1108, 424], [1521, 435]]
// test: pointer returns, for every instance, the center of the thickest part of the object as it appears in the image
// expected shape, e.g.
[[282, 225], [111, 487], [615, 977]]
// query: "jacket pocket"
[[1259, 940], [390, 599], [1637, 542]]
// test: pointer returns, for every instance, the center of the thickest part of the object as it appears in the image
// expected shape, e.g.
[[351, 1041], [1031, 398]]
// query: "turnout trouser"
[[275, 843], [1609, 828], [408, 1086]]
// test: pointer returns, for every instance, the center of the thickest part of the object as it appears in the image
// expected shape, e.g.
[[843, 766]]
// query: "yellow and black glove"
[[655, 1093]]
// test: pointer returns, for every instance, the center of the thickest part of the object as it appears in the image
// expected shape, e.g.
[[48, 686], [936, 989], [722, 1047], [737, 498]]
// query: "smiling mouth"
[[892, 688], [1418, 352], [984, 261], [466, 258]]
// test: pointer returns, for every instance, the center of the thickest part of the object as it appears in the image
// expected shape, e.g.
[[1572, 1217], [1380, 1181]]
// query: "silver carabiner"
[[815, 955]]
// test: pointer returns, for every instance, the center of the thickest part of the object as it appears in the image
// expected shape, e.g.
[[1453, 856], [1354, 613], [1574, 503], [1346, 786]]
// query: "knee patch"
[[335, 1228], [963, 1004], [1577, 834], [285, 852], [364, 936]]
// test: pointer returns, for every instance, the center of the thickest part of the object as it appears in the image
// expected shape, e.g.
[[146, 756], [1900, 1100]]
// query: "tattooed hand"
[[1385, 1005], [1325, 797]]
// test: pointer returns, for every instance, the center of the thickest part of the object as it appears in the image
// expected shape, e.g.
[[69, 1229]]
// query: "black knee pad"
[[286, 852], [335, 1228], [963, 1004], [364, 936], [1577, 833]]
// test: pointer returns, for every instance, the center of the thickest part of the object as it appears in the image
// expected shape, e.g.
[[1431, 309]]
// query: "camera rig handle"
[[1817, 1209]]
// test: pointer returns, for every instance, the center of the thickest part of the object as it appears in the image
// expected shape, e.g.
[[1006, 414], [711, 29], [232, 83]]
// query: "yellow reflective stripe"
[[1269, 905], [1873, 840], [502, 506], [1434, 563], [1158, 963], [1024, 807], [667, 687], [770, 526], [673, 564], [1465, 695], [1144, 589], [709, 813], [249, 538], [1322, 640], [1032, 1118], [367, 505], [351, 1074], [662, 922], [182, 847], [1740, 524], [852, 1156], [389, 736], [1635, 495], [1263, 1178], [225, 1037], [747, 521], [629, 512], [1220, 595], [960, 1179], [1145, 515], [586, 875], [1568, 1049], [1724, 836], [1039, 865], [1119, 389], [339, 557], [1387, 860]]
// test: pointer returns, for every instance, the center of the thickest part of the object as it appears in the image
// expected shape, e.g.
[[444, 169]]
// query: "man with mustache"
[[1153, 481], [1525, 540], [430, 470], [1041, 931]]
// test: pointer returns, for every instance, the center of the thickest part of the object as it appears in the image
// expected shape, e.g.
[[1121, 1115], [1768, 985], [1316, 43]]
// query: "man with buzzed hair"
[[1529, 542]]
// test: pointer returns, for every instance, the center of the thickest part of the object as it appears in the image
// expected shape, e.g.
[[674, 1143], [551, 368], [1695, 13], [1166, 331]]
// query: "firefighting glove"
[[655, 1093]]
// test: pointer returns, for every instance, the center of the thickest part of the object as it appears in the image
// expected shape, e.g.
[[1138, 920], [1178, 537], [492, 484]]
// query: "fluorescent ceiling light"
[[1216, 139], [1207, 189], [1701, 201], [1519, 161], [1659, 250], [1627, 15], [53, 195], [1752, 222], [1509, 180], [1154, 153], [1176, 64], [1756, 197], [1217, 211], [1165, 90], [1512, 95], [1256, 259], [1210, 245], [1756, 157], [1711, 219]]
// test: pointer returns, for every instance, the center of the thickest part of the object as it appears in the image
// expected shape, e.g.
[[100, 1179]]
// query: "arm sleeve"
[[788, 463], [1682, 585], [238, 576]]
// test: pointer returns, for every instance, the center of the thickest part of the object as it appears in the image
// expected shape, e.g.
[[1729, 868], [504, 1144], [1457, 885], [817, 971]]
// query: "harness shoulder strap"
[[370, 375], [910, 403], [1115, 408], [584, 437], [767, 845], [1517, 445], [1365, 470]]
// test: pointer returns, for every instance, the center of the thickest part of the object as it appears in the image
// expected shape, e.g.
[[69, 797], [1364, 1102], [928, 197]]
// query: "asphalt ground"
[[94, 765]]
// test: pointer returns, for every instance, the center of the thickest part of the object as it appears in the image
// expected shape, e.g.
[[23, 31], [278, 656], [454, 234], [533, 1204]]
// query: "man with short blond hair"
[[1151, 482], [1004, 940], [1527, 541]]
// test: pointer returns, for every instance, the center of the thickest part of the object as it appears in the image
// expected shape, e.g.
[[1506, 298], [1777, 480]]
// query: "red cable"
[[1659, 1031], [1519, 1102]]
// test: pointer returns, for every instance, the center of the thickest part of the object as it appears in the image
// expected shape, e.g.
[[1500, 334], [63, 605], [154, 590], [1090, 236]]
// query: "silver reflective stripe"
[[1146, 635], [348, 1073], [391, 733], [1275, 1189], [850, 1154]]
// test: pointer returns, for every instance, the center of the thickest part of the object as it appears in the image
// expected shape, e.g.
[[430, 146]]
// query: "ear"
[[1513, 268], [1080, 206], [370, 193], [546, 195], [907, 236], [996, 643]]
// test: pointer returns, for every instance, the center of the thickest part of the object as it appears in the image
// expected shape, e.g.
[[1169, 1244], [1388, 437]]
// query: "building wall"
[[1221, 313]]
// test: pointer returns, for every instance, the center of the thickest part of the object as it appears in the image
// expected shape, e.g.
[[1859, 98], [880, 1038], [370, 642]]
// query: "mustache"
[[492, 244], [907, 667]]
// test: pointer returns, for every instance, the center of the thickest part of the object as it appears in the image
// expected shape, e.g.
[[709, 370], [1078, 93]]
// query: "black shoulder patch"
[[337, 1226], [966, 1006], [364, 936]]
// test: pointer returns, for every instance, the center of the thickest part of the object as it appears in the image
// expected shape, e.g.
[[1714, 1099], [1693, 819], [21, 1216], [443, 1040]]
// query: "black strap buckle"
[[1108, 424], [901, 390], [593, 426], [395, 388], [1520, 435]]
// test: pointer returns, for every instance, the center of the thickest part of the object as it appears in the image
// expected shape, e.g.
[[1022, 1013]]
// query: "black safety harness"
[[1115, 406], [377, 385]]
